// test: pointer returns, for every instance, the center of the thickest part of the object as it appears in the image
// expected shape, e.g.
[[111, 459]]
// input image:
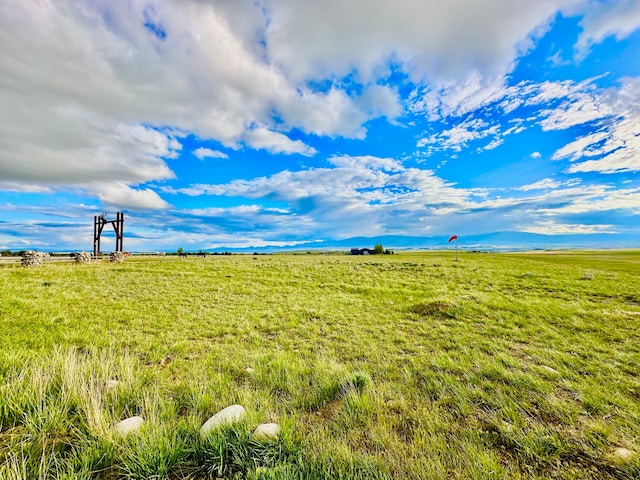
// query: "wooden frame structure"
[[99, 221]]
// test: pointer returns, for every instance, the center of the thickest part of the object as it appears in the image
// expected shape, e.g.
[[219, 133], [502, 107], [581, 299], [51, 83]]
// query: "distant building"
[[363, 251]]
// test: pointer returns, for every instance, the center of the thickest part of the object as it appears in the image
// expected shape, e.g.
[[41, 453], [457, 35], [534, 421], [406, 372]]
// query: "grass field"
[[519, 366]]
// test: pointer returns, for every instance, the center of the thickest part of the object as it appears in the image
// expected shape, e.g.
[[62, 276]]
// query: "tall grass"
[[403, 366]]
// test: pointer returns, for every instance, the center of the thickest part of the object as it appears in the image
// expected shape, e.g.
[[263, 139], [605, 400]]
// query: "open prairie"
[[414, 365]]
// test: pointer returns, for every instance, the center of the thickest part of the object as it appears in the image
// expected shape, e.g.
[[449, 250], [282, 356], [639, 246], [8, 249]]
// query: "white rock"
[[112, 384], [227, 415], [249, 370], [267, 431], [622, 453], [128, 425]]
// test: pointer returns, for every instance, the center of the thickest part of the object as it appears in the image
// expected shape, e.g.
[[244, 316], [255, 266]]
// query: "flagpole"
[[454, 237]]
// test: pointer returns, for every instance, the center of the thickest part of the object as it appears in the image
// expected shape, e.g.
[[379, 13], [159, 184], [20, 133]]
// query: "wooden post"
[[95, 235], [119, 228], [116, 228]]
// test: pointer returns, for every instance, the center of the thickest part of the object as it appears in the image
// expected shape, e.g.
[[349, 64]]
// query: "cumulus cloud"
[[122, 196], [90, 85], [275, 142], [330, 113], [440, 41], [380, 100], [203, 153], [89, 89], [607, 19]]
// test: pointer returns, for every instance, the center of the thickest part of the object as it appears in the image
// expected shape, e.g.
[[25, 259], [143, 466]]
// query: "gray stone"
[[227, 415], [116, 257], [267, 431], [128, 425], [83, 257], [34, 259]]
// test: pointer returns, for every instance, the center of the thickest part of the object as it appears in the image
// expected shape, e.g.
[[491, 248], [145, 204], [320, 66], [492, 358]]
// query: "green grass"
[[400, 366]]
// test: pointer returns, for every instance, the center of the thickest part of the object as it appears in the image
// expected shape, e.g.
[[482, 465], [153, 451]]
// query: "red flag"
[[455, 237]]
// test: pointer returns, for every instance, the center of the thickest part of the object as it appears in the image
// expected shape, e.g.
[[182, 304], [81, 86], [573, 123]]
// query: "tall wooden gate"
[[99, 221]]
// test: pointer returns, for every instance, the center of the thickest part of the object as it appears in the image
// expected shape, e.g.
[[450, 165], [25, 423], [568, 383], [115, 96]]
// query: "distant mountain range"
[[499, 241]]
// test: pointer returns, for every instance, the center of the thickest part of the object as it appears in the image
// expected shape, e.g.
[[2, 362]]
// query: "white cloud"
[[372, 195], [333, 113], [607, 19], [554, 228], [535, 155], [84, 82], [493, 144], [612, 145], [122, 196], [459, 137], [246, 210], [25, 187], [274, 142], [598, 200], [577, 110], [203, 153], [367, 162], [440, 41], [356, 195], [587, 146], [616, 146], [379, 100], [544, 184], [545, 92], [457, 98]]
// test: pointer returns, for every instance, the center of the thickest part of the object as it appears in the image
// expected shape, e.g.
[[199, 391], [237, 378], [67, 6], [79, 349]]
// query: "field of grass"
[[518, 366]]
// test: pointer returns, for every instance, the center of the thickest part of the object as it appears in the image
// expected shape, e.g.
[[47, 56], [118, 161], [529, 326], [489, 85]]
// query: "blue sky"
[[271, 122]]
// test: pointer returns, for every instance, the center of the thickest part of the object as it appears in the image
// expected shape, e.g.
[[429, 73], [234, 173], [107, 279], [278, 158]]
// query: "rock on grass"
[[266, 431], [227, 415], [128, 425]]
